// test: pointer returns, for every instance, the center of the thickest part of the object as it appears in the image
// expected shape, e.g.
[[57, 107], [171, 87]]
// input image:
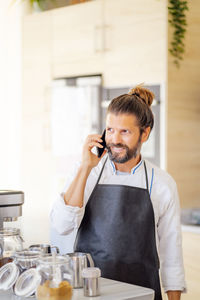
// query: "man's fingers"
[[93, 144], [94, 138]]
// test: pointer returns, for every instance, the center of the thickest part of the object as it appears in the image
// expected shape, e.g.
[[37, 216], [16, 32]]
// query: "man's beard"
[[130, 153]]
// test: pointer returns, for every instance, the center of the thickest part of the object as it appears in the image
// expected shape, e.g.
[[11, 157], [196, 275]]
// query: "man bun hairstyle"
[[144, 94], [137, 102]]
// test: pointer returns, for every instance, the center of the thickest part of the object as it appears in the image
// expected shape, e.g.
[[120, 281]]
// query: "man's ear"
[[145, 134]]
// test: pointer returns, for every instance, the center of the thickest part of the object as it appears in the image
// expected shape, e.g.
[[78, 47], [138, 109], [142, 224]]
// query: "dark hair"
[[137, 102]]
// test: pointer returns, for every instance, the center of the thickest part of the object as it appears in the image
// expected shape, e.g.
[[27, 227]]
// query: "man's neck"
[[129, 165]]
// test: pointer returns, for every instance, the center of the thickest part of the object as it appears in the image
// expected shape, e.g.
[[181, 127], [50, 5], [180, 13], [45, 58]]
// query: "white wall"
[[10, 95]]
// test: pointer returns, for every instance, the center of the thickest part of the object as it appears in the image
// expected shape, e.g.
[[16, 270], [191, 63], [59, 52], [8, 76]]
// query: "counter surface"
[[191, 228], [110, 290]]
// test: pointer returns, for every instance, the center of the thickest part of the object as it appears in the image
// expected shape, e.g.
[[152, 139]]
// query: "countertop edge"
[[190, 228]]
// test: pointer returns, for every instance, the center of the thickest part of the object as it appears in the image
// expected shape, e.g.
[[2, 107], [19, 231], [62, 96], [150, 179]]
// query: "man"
[[126, 209]]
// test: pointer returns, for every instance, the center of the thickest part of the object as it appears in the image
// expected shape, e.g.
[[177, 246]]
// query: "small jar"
[[56, 278], [10, 242], [26, 259], [91, 281]]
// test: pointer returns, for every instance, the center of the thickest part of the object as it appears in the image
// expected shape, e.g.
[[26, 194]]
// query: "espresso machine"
[[10, 205], [10, 209]]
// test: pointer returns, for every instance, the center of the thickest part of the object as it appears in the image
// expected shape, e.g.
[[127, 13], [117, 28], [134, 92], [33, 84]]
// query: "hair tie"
[[138, 95]]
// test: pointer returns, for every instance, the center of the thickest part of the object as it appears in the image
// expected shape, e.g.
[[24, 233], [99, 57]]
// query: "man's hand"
[[89, 159], [74, 195], [174, 295]]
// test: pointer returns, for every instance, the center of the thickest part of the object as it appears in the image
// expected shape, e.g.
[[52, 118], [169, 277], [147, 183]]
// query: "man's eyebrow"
[[120, 129]]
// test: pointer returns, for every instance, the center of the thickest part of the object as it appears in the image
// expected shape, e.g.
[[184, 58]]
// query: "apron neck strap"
[[145, 169], [102, 170]]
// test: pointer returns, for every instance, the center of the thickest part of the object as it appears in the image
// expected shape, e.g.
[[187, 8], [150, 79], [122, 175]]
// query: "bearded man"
[[125, 208]]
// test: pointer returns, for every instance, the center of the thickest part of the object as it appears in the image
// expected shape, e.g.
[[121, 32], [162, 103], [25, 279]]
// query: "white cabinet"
[[123, 40], [77, 39], [135, 33]]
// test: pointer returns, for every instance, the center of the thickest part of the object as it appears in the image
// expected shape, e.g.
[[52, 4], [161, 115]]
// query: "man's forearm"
[[174, 295], [74, 194]]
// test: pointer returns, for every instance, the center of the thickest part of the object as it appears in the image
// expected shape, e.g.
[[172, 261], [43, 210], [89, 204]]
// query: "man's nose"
[[116, 138]]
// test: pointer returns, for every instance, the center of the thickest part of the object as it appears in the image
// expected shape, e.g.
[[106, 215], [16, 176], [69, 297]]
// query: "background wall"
[[10, 95], [183, 136]]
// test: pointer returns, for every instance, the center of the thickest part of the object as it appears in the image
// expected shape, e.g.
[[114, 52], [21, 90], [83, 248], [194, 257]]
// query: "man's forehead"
[[124, 120]]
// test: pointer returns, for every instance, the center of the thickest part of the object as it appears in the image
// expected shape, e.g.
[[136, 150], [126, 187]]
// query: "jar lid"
[[27, 283], [9, 231], [27, 255], [91, 272], [8, 276], [53, 259]]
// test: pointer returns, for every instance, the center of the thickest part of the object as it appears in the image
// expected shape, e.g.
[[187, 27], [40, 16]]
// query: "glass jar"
[[26, 259], [10, 242], [56, 278]]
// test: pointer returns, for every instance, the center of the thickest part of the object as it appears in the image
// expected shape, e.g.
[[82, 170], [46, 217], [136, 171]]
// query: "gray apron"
[[118, 230]]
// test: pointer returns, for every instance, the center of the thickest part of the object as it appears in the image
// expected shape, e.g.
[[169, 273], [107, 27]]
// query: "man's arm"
[[170, 242], [75, 193], [174, 295]]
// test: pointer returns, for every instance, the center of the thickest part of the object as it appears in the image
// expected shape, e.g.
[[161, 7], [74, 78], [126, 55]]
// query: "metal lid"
[[27, 283], [8, 276], [9, 231], [91, 272], [27, 254], [11, 197]]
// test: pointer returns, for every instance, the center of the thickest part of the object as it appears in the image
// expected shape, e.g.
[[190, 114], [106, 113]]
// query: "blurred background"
[[61, 62]]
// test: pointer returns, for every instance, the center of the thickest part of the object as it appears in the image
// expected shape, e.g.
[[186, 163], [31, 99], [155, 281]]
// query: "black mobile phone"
[[100, 150]]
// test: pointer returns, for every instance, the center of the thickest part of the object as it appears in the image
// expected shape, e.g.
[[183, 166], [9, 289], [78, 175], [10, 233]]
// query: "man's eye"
[[125, 131], [109, 129]]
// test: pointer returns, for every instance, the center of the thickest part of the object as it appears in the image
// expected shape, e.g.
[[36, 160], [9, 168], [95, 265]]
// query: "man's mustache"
[[116, 145]]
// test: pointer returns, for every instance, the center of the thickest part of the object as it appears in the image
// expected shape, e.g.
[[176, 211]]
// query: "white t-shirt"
[[164, 196]]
